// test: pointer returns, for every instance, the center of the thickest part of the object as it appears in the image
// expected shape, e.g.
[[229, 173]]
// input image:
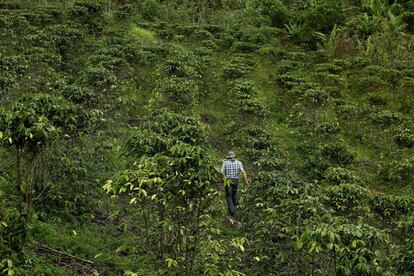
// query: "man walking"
[[231, 169]]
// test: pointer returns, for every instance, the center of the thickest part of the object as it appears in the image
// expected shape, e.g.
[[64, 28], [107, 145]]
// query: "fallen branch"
[[48, 248]]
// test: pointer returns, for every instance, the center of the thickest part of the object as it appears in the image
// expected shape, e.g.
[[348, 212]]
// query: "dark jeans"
[[231, 195]]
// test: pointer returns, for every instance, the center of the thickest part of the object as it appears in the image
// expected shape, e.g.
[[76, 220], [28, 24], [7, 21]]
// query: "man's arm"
[[243, 172], [246, 180]]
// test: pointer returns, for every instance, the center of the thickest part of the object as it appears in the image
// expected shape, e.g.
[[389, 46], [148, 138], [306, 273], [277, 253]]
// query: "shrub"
[[386, 118], [245, 47], [79, 95], [317, 96], [376, 99], [149, 9], [182, 66], [352, 248], [345, 196], [99, 78], [286, 66], [389, 75], [58, 111], [329, 68], [124, 12], [368, 84], [337, 153], [254, 138], [289, 81], [404, 258], [391, 206], [252, 106], [404, 137], [277, 13], [237, 67], [399, 172], [245, 90], [338, 175], [325, 15], [178, 93], [86, 10], [328, 129]]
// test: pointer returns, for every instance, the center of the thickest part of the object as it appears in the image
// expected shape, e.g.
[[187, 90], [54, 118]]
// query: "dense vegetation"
[[115, 116]]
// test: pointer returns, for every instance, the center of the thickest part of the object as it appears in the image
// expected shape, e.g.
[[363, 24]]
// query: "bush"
[[338, 175], [289, 81], [58, 111], [252, 106], [237, 67], [86, 10], [124, 12], [277, 13], [345, 196], [386, 118], [99, 78], [178, 93], [325, 15], [337, 153], [285, 66], [329, 68], [149, 9], [391, 206], [404, 137], [245, 47], [391, 76], [245, 90], [328, 129], [399, 172], [317, 96], [376, 99], [404, 258], [79, 95], [368, 84]]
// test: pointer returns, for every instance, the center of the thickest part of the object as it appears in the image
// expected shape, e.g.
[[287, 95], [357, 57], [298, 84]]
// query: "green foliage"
[[338, 175], [324, 15], [165, 128], [23, 127], [275, 11], [403, 259], [404, 137], [180, 92], [386, 118], [390, 206], [345, 196], [237, 67], [354, 248], [79, 95], [99, 78], [177, 181], [338, 154], [399, 172], [60, 113]]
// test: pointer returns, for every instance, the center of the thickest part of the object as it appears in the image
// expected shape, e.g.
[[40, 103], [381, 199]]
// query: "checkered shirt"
[[232, 168]]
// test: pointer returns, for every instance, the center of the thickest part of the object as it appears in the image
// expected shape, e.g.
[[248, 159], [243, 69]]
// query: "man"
[[231, 169]]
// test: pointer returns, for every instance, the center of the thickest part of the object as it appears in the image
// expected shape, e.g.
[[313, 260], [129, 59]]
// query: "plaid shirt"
[[232, 168]]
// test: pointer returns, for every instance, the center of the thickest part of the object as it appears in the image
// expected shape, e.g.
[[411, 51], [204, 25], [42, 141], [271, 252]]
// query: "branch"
[[47, 248]]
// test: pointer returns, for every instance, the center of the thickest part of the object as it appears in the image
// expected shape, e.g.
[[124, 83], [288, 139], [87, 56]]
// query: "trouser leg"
[[229, 199], [234, 188]]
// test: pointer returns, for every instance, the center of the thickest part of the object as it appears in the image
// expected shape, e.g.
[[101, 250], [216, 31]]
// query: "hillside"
[[116, 115]]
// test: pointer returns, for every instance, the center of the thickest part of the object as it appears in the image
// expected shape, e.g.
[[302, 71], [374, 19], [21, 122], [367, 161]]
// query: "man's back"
[[232, 168]]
